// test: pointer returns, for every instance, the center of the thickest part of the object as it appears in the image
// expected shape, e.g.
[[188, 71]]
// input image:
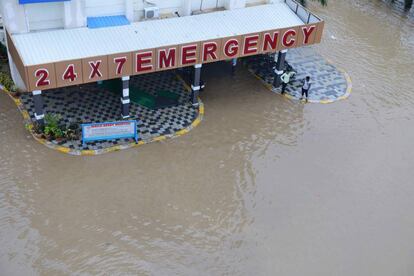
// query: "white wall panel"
[[94, 8], [171, 6], [14, 17], [41, 16]]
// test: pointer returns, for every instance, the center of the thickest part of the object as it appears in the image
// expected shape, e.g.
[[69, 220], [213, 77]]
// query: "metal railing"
[[304, 14]]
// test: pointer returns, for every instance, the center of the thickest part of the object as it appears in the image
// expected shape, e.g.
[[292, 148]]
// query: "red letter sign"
[[210, 51], [270, 41], [43, 75], [144, 62], [120, 62], [70, 73], [166, 58], [189, 54], [250, 44], [289, 38], [95, 69], [231, 48], [307, 31]]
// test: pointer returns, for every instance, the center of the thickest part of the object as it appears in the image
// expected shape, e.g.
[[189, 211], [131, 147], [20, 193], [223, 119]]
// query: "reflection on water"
[[263, 186]]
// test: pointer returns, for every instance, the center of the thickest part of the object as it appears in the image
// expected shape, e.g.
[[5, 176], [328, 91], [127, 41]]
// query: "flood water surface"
[[264, 186]]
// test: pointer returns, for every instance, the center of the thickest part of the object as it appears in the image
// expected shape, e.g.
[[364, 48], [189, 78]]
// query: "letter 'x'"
[[95, 69]]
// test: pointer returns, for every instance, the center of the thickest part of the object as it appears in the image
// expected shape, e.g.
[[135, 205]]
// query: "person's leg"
[[303, 92], [284, 87], [307, 93]]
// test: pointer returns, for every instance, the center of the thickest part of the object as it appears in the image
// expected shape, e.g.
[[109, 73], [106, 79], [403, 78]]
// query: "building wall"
[[42, 16], [72, 14], [14, 17], [185, 7], [95, 8], [19, 18], [2, 35]]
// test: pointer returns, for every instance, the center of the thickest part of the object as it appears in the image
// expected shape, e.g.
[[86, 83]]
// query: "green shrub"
[[52, 128], [7, 82]]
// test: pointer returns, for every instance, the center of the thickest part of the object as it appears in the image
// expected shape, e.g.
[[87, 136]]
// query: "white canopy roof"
[[69, 44]]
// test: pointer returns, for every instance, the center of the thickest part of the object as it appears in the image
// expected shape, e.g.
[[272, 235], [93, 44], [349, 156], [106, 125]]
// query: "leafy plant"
[[52, 128], [7, 82]]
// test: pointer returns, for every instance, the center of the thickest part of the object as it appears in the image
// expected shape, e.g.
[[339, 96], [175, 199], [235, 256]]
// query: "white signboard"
[[109, 131]]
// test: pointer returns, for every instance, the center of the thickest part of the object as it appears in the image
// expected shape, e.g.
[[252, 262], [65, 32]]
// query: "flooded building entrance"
[[43, 61], [110, 49], [266, 186]]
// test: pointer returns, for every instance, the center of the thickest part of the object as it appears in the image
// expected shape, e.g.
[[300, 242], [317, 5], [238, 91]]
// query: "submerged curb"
[[29, 125], [343, 97]]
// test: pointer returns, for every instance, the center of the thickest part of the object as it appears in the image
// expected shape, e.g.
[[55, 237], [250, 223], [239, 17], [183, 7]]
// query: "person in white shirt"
[[285, 80], [305, 88]]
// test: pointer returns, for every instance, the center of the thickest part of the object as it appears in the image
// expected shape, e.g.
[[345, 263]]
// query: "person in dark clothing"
[[305, 88]]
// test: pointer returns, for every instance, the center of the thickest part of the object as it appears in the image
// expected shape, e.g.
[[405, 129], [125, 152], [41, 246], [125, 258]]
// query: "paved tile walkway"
[[94, 103], [329, 84]]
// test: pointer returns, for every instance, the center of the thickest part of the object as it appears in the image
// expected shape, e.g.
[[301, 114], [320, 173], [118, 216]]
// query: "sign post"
[[109, 131]]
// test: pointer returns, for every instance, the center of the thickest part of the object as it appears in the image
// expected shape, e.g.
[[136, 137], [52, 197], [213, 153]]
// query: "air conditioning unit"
[[152, 12]]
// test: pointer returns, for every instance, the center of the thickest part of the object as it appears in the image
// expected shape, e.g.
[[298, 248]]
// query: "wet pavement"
[[329, 83], [94, 103]]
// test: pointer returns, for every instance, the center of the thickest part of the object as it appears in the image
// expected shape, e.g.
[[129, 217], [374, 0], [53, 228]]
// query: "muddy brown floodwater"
[[264, 186]]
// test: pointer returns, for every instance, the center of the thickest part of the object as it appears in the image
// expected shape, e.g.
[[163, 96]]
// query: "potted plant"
[[7, 82], [52, 129]]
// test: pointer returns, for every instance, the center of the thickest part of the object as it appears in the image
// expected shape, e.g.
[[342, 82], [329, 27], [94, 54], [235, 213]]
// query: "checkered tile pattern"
[[93, 103], [328, 83]]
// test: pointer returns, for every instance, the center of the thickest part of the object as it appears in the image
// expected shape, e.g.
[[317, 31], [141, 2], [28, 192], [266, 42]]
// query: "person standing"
[[285, 78], [305, 88]]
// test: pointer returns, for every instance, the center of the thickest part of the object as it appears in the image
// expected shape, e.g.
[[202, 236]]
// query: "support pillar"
[[233, 65], [280, 66], [125, 101], [195, 86], [39, 106]]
